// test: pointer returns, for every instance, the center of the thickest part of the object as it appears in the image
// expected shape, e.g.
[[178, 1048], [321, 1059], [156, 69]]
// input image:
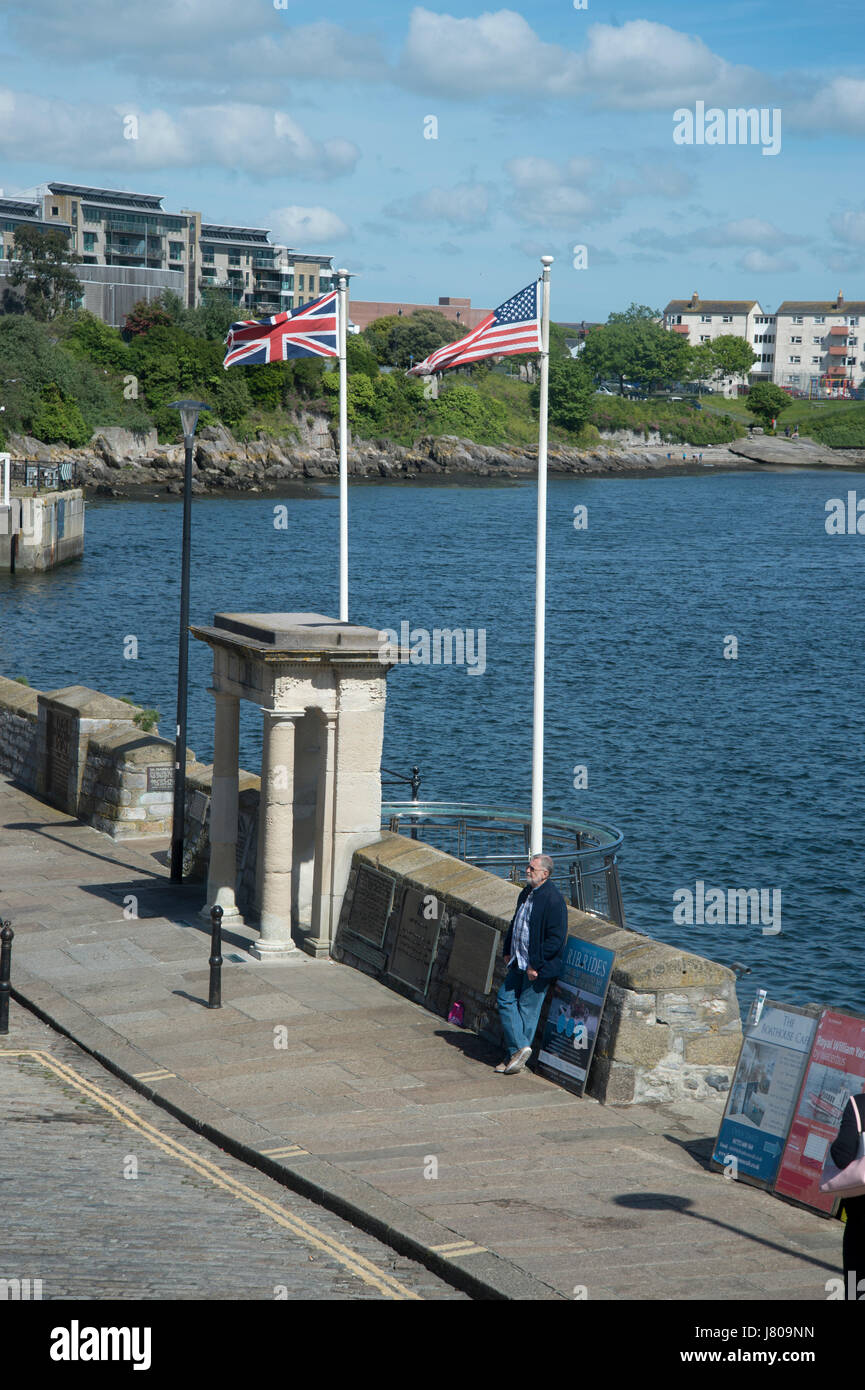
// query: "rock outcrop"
[[119, 462]]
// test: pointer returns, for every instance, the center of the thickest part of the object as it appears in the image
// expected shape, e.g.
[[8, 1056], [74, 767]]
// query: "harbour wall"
[[37, 533], [670, 1029]]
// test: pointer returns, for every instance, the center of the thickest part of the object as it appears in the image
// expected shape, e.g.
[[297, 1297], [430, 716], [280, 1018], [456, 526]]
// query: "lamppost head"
[[189, 411]]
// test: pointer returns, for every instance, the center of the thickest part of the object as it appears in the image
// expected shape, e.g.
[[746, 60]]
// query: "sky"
[[442, 150]]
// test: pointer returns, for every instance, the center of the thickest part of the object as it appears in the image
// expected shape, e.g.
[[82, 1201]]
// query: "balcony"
[[838, 330], [838, 351]]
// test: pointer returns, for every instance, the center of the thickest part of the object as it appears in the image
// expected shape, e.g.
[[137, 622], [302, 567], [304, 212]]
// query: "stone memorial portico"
[[320, 685]]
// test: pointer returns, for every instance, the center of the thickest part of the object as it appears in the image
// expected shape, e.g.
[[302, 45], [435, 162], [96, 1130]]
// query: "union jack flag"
[[310, 331], [513, 327]]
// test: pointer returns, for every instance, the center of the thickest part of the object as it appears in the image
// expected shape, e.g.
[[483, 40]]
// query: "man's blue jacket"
[[548, 930]]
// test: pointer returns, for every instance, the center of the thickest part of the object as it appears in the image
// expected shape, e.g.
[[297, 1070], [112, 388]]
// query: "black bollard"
[[6, 935], [215, 1000]]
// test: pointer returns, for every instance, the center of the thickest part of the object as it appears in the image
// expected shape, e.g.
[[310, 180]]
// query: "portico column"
[[222, 871], [323, 927], [276, 812]]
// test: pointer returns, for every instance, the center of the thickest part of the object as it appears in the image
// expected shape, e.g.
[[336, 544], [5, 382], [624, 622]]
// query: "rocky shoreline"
[[122, 463]]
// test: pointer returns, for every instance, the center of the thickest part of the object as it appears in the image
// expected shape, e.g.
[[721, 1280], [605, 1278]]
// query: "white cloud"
[[639, 65], [765, 263], [849, 228], [295, 226], [464, 205], [229, 135], [838, 107]]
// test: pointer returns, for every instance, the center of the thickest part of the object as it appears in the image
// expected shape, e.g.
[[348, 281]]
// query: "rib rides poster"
[[836, 1071], [763, 1095], [576, 1005]]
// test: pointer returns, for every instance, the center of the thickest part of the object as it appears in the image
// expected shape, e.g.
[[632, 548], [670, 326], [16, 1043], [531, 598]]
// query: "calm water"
[[745, 773]]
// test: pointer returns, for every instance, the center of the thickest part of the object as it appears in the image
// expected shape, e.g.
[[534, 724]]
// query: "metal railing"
[[52, 477], [585, 853]]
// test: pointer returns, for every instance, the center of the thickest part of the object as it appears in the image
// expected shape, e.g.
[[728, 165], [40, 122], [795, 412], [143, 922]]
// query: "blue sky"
[[554, 130]]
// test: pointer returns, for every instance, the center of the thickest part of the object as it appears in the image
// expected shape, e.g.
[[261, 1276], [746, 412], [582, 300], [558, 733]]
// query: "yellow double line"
[[356, 1264]]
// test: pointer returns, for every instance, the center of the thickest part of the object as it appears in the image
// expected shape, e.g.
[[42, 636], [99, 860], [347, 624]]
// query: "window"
[[794, 339], [89, 241], [819, 341], [233, 258], [312, 286], [794, 359], [706, 338], [206, 256], [727, 318], [55, 212], [300, 283], [851, 342], [705, 318], [819, 318], [851, 361], [815, 361], [854, 323], [797, 318], [175, 250]]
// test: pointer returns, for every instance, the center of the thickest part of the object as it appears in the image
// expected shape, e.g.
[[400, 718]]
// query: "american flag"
[[306, 332], [513, 327]]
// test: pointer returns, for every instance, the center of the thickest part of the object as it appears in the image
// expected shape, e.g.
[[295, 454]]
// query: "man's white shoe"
[[518, 1061]]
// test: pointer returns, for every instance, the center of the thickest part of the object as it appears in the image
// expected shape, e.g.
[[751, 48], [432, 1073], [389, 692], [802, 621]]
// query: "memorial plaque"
[[59, 748], [416, 940], [370, 906], [160, 778], [473, 954]]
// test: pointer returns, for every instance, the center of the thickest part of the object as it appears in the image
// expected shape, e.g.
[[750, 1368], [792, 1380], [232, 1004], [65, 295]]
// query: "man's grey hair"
[[544, 860]]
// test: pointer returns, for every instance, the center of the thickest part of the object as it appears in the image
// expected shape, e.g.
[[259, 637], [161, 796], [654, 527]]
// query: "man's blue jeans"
[[520, 1002]]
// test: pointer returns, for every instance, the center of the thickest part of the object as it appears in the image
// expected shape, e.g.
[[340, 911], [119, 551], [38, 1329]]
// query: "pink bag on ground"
[[849, 1181]]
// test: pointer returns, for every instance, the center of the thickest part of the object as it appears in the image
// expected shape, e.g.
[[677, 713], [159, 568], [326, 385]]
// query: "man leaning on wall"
[[534, 952]]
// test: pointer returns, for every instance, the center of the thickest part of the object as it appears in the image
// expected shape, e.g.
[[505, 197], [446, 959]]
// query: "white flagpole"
[[342, 328], [537, 830]]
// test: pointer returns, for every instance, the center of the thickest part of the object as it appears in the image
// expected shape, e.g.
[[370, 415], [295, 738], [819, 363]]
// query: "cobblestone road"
[[106, 1196]]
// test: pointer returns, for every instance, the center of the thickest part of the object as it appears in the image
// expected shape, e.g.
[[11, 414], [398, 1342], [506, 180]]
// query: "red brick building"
[[363, 312]]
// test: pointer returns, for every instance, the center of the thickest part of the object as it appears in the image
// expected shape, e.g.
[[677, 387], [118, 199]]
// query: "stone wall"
[[671, 1027], [37, 533], [19, 721], [83, 752]]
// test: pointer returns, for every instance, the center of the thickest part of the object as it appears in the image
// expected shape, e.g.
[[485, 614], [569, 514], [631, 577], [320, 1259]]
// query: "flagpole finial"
[[343, 274], [547, 260]]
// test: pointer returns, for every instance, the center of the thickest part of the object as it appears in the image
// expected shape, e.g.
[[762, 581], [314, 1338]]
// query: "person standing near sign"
[[845, 1150], [534, 952]]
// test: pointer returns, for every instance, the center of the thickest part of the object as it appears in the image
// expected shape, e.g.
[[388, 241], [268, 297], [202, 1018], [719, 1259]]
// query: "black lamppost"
[[189, 418]]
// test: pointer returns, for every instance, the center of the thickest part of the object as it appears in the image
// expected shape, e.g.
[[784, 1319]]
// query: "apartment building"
[[805, 345], [262, 278], [818, 347], [131, 248], [702, 320]]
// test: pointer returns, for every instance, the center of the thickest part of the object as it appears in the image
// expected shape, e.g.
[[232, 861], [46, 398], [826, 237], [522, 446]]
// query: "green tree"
[[636, 313], [359, 356], [733, 356], [632, 345], [59, 421], [399, 340], [766, 401], [41, 265], [571, 393], [88, 337], [702, 364], [461, 410]]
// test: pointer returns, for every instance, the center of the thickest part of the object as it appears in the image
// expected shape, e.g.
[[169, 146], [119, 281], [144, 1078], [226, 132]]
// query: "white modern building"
[[811, 346], [818, 345], [702, 320]]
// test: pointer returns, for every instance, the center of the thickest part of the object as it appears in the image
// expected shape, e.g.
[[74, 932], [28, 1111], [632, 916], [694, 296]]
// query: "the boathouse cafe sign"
[[576, 1005], [775, 1048]]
